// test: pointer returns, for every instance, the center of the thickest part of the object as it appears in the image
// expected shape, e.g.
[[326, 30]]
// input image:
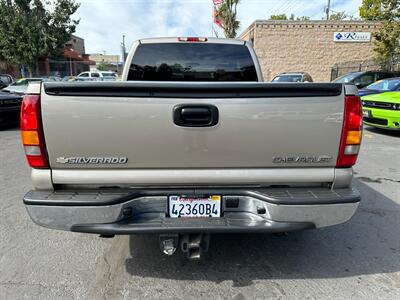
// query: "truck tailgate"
[[260, 125]]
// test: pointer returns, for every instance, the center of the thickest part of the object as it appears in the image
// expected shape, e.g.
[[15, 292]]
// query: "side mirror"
[[358, 85]]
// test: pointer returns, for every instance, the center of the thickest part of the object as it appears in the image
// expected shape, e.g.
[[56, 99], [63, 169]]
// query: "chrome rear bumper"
[[144, 211]]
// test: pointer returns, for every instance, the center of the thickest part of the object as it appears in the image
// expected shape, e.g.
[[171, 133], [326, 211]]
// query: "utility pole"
[[328, 9], [123, 49]]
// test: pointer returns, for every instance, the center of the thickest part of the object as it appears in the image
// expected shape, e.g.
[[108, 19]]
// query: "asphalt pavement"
[[356, 260]]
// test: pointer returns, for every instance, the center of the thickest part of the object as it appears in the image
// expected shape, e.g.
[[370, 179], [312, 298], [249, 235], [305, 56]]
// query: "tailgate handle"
[[195, 115]]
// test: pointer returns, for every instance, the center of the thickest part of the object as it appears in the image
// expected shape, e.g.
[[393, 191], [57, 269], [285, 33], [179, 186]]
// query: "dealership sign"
[[355, 37]]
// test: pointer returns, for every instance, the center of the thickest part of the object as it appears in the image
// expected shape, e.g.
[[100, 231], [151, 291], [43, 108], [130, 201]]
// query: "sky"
[[103, 22]]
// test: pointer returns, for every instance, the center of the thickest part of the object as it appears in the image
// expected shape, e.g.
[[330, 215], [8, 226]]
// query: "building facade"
[[310, 46], [77, 43], [73, 61]]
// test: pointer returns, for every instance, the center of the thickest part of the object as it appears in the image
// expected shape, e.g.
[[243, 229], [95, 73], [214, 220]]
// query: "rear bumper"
[[262, 210]]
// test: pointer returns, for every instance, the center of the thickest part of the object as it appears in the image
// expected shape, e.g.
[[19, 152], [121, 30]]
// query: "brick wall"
[[293, 46]]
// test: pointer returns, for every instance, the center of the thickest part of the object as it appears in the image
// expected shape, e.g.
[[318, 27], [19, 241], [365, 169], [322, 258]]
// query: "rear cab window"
[[192, 62]]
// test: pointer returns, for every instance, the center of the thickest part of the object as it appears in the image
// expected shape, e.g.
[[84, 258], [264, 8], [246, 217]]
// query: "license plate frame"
[[185, 206]]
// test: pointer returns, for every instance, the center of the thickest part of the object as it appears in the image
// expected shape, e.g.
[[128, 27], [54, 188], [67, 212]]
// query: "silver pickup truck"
[[191, 143]]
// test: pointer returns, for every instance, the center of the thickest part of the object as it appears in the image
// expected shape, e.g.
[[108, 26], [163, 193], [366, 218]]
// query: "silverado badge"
[[92, 160]]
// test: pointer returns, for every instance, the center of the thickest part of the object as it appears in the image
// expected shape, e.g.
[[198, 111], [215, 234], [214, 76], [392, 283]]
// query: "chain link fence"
[[359, 66], [62, 68]]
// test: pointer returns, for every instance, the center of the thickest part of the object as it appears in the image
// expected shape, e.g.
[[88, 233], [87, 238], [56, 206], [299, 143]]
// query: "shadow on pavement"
[[388, 132], [368, 244]]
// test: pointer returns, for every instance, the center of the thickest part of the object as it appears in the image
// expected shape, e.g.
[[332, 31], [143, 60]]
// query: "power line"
[[278, 8], [295, 10], [287, 7]]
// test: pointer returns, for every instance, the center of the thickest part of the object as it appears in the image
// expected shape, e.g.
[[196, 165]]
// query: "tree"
[[292, 17], [103, 66], [387, 44], [227, 13], [278, 17], [380, 10], [31, 29], [338, 16]]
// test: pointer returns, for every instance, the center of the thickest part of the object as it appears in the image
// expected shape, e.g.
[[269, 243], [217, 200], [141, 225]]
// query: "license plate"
[[195, 207], [366, 113]]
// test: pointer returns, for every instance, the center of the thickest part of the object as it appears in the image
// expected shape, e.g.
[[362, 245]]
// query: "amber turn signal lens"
[[353, 137], [30, 138]]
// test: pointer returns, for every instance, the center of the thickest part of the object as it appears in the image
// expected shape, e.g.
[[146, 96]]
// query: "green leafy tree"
[[380, 10], [292, 17], [103, 66], [387, 38], [227, 13], [303, 18], [31, 29], [338, 16], [278, 17]]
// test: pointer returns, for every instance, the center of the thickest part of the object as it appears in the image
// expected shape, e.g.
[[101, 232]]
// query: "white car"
[[97, 76]]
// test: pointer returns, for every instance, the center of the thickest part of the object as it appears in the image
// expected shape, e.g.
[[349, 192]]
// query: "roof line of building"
[[306, 22]]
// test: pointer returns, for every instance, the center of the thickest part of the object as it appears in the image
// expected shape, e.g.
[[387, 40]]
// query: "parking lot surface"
[[356, 260]]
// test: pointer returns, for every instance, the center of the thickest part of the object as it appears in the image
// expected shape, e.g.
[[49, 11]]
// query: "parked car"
[[20, 86], [5, 80], [10, 106], [293, 77], [68, 78], [97, 76], [363, 79], [381, 86], [180, 148], [382, 110]]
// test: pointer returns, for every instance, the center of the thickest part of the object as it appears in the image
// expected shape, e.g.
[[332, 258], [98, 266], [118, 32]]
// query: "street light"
[[70, 62]]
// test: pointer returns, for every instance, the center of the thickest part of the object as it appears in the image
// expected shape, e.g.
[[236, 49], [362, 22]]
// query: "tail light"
[[351, 134], [32, 132], [192, 39]]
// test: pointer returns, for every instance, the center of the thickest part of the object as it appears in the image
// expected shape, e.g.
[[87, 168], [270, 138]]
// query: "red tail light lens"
[[32, 132], [351, 133]]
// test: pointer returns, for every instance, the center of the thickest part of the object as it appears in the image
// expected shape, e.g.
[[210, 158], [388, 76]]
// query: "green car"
[[382, 110]]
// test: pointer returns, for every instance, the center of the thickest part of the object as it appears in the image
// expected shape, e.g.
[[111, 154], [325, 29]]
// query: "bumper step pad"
[[238, 223]]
